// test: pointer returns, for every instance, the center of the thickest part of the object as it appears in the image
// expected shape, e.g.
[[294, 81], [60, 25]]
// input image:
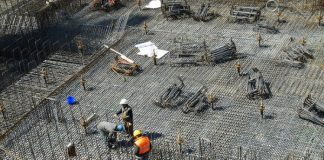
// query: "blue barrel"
[[70, 100]]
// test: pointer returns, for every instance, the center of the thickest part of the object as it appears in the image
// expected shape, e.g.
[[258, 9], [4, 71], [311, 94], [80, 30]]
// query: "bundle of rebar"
[[312, 111], [223, 53], [195, 102], [296, 55], [169, 97], [265, 28], [257, 86], [189, 48], [188, 53], [175, 9], [198, 53], [249, 14], [204, 13]]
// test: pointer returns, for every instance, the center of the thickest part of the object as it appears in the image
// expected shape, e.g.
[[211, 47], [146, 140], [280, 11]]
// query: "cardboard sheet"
[[153, 4], [148, 48]]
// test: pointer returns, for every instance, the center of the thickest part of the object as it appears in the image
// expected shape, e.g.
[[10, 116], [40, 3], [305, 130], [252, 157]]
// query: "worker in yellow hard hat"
[[142, 145]]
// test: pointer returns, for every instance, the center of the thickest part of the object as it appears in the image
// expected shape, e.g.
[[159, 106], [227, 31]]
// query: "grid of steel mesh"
[[236, 122]]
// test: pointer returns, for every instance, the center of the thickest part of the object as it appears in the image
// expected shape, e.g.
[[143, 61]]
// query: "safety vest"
[[143, 143]]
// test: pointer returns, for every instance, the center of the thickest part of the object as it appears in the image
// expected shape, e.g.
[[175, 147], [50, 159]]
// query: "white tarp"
[[148, 48], [153, 4]]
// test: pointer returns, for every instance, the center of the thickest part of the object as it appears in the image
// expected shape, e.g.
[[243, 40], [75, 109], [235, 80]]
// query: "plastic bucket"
[[70, 100]]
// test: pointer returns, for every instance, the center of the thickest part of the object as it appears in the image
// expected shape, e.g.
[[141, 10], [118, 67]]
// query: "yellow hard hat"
[[137, 133]]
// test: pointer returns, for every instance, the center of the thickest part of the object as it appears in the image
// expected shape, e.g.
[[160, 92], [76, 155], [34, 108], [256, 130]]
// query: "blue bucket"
[[70, 100]]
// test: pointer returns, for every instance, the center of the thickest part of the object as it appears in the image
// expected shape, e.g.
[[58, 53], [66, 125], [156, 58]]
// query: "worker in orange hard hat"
[[142, 146]]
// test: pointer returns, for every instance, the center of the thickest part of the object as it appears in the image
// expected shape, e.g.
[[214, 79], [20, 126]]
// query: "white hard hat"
[[123, 101]]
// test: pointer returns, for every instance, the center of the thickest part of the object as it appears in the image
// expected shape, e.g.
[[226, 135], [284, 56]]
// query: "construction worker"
[[319, 20], [238, 67], [44, 74], [83, 81], [80, 46], [261, 109], [2, 109], [303, 41], [127, 116], [278, 16], [139, 3], [179, 141], [154, 58], [109, 132], [142, 145], [145, 28], [259, 39]]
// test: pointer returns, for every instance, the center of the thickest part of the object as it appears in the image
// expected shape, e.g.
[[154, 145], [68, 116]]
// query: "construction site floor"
[[236, 122]]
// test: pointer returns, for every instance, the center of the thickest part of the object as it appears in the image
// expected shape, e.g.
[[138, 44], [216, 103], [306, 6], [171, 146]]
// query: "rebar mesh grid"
[[235, 123]]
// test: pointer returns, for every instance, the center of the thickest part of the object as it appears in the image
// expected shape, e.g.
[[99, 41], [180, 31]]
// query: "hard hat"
[[137, 133], [120, 128], [123, 101]]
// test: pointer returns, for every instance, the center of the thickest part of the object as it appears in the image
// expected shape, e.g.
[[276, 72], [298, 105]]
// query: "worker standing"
[[319, 20], [109, 132], [278, 16], [2, 109], [154, 58], [142, 146], [139, 4], [127, 116], [259, 39], [44, 74], [238, 67], [261, 109], [83, 81], [145, 28]]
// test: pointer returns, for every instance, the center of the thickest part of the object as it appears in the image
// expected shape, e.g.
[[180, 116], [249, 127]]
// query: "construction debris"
[[257, 86], [86, 121], [168, 98], [245, 14], [296, 55], [204, 14], [122, 66], [312, 111], [175, 9]]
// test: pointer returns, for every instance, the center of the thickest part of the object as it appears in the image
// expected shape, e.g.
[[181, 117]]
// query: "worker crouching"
[[109, 132], [142, 146]]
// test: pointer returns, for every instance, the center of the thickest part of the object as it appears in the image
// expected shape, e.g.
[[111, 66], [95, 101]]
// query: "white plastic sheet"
[[149, 48], [153, 4]]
